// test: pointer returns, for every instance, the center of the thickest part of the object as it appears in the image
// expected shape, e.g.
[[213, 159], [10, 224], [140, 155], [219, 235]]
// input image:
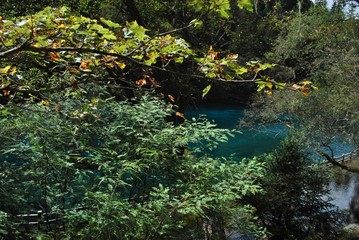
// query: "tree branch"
[[56, 89], [129, 59], [14, 50], [332, 160], [160, 34]]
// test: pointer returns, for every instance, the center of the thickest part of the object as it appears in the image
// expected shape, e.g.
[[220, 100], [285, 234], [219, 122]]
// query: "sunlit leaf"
[[245, 4], [265, 66], [6, 92], [141, 82], [121, 65], [171, 98], [5, 69], [85, 64], [305, 83], [232, 56], [62, 26], [211, 75], [260, 85], [109, 37], [12, 71], [110, 23], [137, 30], [206, 90], [241, 70], [120, 49], [45, 102], [223, 8], [54, 56]]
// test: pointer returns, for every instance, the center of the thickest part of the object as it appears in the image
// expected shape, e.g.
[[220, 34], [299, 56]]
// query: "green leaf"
[[120, 49], [211, 75], [245, 4], [206, 90], [261, 85], [137, 30], [266, 66], [5, 69], [109, 37], [241, 70], [224, 8], [110, 23]]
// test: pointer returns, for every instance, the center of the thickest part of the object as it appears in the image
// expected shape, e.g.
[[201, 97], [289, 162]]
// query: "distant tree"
[[318, 47], [295, 204]]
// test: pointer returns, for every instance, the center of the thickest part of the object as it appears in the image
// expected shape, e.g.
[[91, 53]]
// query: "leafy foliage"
[[327, 57], [103, 168], [80, 49], [295, 204], [117, 170]]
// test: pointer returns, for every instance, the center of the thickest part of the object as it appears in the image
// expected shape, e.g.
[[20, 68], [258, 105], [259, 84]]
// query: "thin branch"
[[192, 23], [332, 160], [14, 50], [18, 48], [129, 59], [60, 88], [160, 34], [27, 47]]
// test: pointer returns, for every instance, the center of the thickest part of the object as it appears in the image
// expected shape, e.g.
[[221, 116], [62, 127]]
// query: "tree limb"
[[129, 59], [332, 160]]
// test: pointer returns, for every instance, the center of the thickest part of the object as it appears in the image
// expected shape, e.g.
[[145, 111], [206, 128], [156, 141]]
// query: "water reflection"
[[343, 187]]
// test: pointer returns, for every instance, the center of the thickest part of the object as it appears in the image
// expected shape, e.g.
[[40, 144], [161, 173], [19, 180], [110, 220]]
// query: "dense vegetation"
[[96, 144]]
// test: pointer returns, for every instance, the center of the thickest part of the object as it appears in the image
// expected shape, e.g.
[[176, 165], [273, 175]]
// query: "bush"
[[117, 170], [295, 204]]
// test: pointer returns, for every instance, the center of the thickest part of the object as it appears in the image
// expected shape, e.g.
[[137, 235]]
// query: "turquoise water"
[[254, 142], [248, 143]]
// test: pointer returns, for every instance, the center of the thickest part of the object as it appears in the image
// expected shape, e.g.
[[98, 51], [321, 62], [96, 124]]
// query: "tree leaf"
[[5, 69], [110, 23], [245, 4], [137, 30], [206, 90], [120, 64], [54, 56]]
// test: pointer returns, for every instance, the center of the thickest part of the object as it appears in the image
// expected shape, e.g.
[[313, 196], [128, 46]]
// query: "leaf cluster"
[[117, 170], [70, 50]]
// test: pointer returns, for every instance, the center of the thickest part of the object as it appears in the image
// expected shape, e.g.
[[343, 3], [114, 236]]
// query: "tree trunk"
[[133, 12]]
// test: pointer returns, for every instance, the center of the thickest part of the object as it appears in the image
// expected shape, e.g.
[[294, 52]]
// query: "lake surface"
[[255, 142], [249, 142]]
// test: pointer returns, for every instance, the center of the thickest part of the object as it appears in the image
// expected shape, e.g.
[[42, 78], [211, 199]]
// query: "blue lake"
[[251, 141], [248, 143], [263, 140]]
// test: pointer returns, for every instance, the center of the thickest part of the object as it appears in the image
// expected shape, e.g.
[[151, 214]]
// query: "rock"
[[351, 231]]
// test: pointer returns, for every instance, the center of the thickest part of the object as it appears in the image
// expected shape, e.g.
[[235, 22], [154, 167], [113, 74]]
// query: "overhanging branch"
[[332, 160], [131, 60]]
